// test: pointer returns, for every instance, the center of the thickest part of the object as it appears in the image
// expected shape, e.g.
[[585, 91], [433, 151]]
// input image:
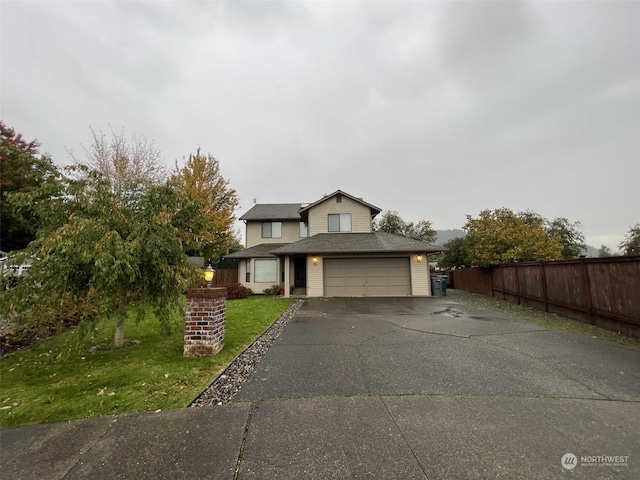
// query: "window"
[[303, 230], [248, 276], [266, 270], [339, 222], [271, 229]]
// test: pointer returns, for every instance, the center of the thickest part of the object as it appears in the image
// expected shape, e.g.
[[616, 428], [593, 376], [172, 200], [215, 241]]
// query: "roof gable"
[[374, 210]]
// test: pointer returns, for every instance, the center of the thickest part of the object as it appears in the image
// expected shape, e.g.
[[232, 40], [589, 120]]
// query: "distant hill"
[[444, 236], [591, 251]]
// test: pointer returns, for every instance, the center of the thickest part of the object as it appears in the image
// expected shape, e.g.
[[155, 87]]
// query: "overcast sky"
[[434, 109]]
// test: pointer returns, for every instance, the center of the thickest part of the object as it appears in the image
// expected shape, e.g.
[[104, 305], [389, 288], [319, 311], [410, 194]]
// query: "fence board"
[[225, 277], [476, 280]]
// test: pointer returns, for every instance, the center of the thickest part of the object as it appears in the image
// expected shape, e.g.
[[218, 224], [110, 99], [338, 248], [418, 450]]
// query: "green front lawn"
[[61, 379]]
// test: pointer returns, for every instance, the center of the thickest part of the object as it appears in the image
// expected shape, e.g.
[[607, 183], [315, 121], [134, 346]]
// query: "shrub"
[[273, 290], [237, 291]]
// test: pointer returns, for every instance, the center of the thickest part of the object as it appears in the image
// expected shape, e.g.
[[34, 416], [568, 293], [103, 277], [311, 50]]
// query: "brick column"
[[205, 322]]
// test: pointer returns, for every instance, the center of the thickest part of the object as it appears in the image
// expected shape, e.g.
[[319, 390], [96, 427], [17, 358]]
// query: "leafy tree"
[[572, 239], [631, 243], [502, 236], [455, 255], [203, 183], [604, 251], [391, 222], [96, 251], [129, 165], [22, 169]]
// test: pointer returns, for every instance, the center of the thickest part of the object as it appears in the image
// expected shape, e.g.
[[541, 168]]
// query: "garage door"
[[358, 277]]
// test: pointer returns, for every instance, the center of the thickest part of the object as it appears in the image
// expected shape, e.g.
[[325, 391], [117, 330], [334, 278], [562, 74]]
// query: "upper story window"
[[304, 232], [339, 222], [271, 229]]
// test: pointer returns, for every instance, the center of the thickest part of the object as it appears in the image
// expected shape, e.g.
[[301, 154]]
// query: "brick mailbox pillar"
[[205, 322]]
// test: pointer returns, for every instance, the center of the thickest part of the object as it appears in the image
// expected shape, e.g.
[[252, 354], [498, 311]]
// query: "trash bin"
[[444, 280], [436, 287]]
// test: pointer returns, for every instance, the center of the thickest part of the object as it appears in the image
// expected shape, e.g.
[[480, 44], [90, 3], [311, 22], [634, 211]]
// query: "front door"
[[300, 272]]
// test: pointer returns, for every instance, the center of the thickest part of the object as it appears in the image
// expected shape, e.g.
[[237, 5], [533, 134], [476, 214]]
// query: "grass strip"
[[64, 378]]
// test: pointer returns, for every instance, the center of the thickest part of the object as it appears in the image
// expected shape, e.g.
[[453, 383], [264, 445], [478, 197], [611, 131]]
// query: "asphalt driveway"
[[380, 388]]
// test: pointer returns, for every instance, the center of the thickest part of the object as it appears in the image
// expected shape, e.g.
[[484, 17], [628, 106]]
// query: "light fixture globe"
[[209, 273]]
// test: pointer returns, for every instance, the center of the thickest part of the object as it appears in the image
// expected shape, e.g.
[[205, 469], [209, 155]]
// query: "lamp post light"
[[209, 273]]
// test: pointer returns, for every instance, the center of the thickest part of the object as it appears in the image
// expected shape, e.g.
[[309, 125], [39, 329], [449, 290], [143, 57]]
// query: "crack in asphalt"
[[247, 425], [415, 456], [93, 445]]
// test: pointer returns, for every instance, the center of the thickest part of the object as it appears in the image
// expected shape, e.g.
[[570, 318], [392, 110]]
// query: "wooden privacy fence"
[[226, 276], [600, 291]]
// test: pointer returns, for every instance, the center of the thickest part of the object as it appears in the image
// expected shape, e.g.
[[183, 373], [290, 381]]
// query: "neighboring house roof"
[[374, 210], [376, 242], [273, 211], [262, 250], [197, 261]]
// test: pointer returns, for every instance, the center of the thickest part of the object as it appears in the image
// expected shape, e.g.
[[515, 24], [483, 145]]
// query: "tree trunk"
[[118, 338]]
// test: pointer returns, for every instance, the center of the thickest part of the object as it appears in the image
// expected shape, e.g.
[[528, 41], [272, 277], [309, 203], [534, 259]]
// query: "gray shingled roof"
[[273, 211], [376, 242], [262, 250]]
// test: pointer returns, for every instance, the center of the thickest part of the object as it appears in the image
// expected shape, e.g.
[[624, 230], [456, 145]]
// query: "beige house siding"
[[315, 285], [319, 220], [290, 233], [420, 277]]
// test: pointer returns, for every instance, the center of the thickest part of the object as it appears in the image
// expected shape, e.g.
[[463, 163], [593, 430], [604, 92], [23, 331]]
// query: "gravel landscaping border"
[[228, 383]]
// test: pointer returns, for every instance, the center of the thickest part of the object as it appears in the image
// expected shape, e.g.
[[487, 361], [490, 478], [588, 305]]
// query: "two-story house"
[[329, 249]]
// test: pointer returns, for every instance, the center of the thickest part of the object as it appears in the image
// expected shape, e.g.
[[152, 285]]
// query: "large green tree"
[[391, 222], [455, 254], [202, 181], [631, 243], [22, 170], [104, 254], [502, 236], [569, 234]]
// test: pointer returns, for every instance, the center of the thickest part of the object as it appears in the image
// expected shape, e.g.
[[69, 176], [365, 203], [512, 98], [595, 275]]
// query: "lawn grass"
[[61, 379]]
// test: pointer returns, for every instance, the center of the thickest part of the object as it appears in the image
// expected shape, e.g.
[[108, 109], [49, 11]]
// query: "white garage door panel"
[[367, 277]]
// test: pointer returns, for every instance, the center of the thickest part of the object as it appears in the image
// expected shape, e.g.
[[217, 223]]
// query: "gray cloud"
[[434, 109]]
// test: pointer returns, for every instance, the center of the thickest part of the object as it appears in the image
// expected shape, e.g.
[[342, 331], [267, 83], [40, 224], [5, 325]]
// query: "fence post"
[[515, 273], [587, 290], [543, 280], [491, 270]]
